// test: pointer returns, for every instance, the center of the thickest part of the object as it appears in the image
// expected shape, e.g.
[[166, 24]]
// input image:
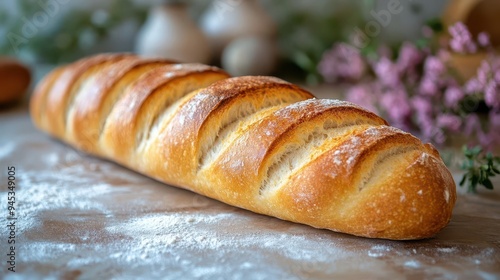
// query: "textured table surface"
[[81, 217]]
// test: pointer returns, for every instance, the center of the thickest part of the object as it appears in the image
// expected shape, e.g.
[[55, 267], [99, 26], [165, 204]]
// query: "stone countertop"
[[82, 217]]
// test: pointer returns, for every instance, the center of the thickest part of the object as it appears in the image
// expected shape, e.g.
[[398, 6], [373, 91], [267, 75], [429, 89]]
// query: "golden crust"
[[412, 200], [258, 143], [61, 93], [85, 119], [141, 104], [38, 100], [198, 115]]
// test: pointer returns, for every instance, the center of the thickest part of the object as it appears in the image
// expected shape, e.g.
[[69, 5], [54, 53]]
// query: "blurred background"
[[428, 66], [293, 34]]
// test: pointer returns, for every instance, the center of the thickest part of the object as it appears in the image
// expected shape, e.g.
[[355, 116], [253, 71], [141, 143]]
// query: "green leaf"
[[474, 180], [479, 168], [422, 43], [487, 184], [464, 178], [303, 60], [464, 149], [489, 157], [476, 150], [467, 153], [435, 24], [471, 188]]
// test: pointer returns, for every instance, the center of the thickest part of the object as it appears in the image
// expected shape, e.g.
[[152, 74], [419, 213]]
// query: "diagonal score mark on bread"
[[86, 119], [239, 111], [258, 143], [147, 103], [382, 154], [202, 114], [69, 83], [326, 127]]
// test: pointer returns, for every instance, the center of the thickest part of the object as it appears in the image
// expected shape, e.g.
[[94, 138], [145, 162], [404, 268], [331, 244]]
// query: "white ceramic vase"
[[225, 21], [169, 32]]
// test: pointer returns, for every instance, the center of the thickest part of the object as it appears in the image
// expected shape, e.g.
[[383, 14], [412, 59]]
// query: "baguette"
[[258, 143]]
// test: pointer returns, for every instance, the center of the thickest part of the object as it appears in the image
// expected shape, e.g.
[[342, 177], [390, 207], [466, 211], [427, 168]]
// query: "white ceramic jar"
[[169, 32], [226, 20]]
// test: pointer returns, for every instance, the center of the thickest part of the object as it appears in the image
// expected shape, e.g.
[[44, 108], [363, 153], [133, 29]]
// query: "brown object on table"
[[466, 65], [258, 143], [15, 79], [477, 15]]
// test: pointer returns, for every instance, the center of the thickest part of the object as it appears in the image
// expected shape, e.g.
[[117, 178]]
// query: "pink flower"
[[422, 106], [492, 94], [473, 86], [483, 39], [472, 124], [428, 87], [461, 41], [409, 57], [496, 77], [449, 122], [397, 106], [461, 47], [418, 90], [483, 72], [494, 119], [342, 62], [362, 95], [434, 66], [487, 82], [387, 72], [426, 126], [431, 82], [430, 131], [423, 109], [452, 96]]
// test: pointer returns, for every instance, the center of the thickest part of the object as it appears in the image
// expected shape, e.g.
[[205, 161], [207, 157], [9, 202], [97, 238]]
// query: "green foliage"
[[65, 38], [304, 34], [436, 25], [479, 168]]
